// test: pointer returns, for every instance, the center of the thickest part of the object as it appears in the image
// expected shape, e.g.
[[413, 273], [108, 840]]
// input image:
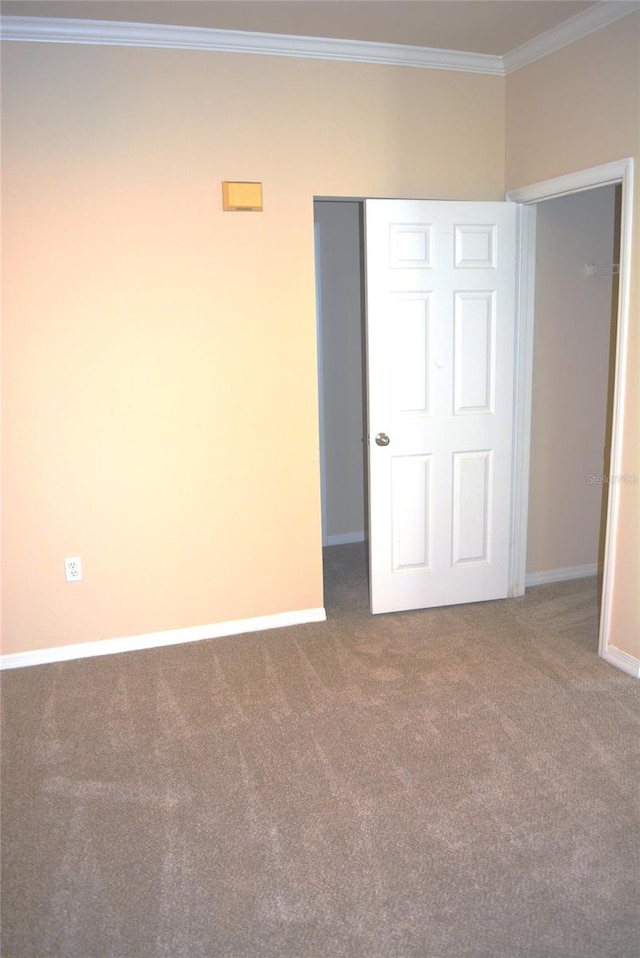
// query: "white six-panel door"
[[440, 341]]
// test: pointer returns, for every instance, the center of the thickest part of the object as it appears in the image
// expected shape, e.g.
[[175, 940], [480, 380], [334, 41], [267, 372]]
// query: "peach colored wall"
[[578, 108], [160, 395]]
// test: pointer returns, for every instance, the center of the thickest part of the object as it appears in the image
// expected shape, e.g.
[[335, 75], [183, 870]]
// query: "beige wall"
[[573, 319], [160, 394], [159, 361], [578, 108]]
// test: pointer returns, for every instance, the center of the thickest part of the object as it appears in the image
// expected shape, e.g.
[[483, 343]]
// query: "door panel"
[[440, 290], [471, 497], [411, 481], [474, 352], [410, 356]]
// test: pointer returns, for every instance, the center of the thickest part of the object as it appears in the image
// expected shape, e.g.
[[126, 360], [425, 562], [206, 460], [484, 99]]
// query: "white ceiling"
[[479, 26]]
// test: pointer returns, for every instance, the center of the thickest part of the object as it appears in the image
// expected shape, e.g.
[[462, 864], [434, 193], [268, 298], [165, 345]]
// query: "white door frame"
[[321, 427], [618, 172]]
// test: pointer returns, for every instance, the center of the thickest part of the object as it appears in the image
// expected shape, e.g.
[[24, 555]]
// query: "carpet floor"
[[453, 783]]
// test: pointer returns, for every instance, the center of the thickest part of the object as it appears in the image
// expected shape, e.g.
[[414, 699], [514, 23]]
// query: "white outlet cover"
[[73, 569]]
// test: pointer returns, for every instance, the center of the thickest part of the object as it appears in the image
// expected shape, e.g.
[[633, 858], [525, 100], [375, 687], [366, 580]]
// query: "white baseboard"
[[560, 575], [622, 660], [152, 640], [343, 538]]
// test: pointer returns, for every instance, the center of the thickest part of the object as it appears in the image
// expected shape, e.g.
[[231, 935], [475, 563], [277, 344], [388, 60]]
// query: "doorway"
[[576, 300], [559, 568], [618, 172], [340, 303]]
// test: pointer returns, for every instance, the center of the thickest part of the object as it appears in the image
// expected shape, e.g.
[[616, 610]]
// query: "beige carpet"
[[453, 783]]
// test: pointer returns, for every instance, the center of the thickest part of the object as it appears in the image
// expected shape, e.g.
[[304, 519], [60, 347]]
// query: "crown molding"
[[122, 33], [589, 21], [119, 33]]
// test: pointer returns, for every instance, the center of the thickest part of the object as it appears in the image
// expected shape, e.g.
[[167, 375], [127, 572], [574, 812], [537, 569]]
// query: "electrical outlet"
[[73, 569]]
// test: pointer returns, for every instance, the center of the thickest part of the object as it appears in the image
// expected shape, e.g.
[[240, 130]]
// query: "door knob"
[[382, 439]]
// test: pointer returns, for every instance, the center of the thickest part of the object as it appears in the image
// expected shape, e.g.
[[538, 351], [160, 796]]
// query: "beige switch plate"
[[242, 196]]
